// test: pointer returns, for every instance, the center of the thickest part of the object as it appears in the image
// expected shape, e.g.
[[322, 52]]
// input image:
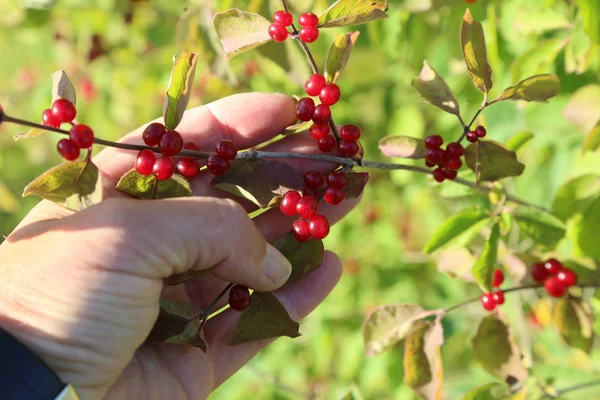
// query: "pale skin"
[[82, 290]]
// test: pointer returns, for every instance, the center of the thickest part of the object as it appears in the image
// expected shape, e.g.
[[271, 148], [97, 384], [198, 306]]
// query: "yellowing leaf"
[[491, 161], [475, 53], [148, 187], [240, 31], [423, 371], [180, 89], [574, 321], [483, 270], [536, 88], [338, 56], [353, 12], [403, 147], [33, 132], [434, 90]]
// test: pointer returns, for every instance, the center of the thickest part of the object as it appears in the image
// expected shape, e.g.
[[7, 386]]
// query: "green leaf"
[[304, 257], [434, 89], [576, 196], [389, 324], [475, 53], [541, 226], [338, 56], [403, 147], [148, 187], [62, 88], [483, 270], [592, 140], [590, 12], [536, 88], [491, 161], [518, 141], [177, 323], [74, 185], [180, 89], [423, 371], [463, 225], [495, 350], [258, 181], [574, 320], [491, 391], [586, 231], [353, 12], [265, 319], [240, 31]]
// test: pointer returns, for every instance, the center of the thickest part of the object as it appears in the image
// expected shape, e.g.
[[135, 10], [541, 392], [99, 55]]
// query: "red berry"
[[301, 230], [289, 201], [315, 84], [498, 277], [308, 19], [163, 168], [48, 119], [239, 298], [487, 301], [153, 133], [309, 34], [307, 206], [453, 163], [170, 143], [498, 297], [314, 179], [334, 196], [188, 167], [283, 17], [436, 156], [472, 137], [191, 146], [319, 227], [350, 133], [217, 165], [455, 150], [305, 109], [144, 163], [433, 141], [322, 114], [429, 164], [82, 136], [330, 94], [278, 32], [348, 149], [450, 174], [480, 131], [439, 175], [552, 266], [226, 149], [337, 179], [319, 131], [63, 110], [567, 276], [555, 287], [539, 272], [308, 191], [67, 149], [327, 144]]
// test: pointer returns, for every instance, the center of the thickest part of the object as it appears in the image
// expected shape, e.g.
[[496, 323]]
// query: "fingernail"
[[276, 266]]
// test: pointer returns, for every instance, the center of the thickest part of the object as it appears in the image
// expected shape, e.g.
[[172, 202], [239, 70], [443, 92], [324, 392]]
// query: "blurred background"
[[118, 54]]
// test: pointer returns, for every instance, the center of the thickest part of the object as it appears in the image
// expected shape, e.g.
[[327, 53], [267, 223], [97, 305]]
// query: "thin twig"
[[571, 389]]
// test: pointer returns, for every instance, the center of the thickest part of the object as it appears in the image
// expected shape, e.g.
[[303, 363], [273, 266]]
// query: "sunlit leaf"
[[574, 320], [180, 89], [62, 88], [339, 54], [305, 257], [491, 161], [592, 140], [483, 270], [590, 12], [541, 226], [434, 89], [240, 31], [33, 132], [475, 53], [423, 371], [353, 12], [576, 196], [518, 141], [403, 147], [585, 231], [536, 88], [148, 187], [462, 225]]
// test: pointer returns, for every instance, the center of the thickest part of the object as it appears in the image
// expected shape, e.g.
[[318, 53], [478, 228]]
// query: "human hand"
[[82, 290]]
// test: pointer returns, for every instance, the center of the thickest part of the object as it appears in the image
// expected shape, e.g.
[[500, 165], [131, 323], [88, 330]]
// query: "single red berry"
[[67, 149], [170, 143], [309, 34], [348, 149], [480, 131], [63, 110], [330, 94], [319, 131], [350, 133], [307, 206], [301, 230], [498, 297], [187, 167], [434, 141], [319, 227], [472, 137], [487, 301], [314, 179], [439, 175], [436, 156], [498, 277], [327, 144], [555, 287], [451, 174], [289, 201], [163, 168], [308, 19], [567, 276], [308, 191], [217, 165], [429, 164], [226, 149], [337, 179], [190, 146], [305, 109], [334, 196], [315, 84], [453, 163], [455, 150], [283, 17], [239, 298], [144, 163], [153, 133], [322, 114], [82, 136], [48, 119], [539, 272], [278, 32], [552, 266]]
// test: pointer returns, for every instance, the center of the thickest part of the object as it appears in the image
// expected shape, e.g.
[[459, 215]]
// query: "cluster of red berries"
[[80, 136], [490, 301], [447, 161], [557, 279], [282, 19], [170, 144], [478, 133], [239, 297]]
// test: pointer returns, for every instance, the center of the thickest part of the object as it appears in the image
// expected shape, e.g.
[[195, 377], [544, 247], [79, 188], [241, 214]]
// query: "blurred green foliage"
[[119, 53]]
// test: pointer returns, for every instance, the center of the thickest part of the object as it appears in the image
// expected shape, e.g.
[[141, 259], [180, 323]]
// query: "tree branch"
[[570, 389]]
